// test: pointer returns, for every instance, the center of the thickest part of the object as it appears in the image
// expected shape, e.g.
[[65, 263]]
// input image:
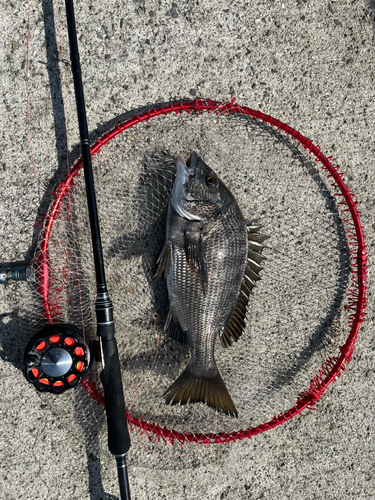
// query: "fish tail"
[[190, 388]]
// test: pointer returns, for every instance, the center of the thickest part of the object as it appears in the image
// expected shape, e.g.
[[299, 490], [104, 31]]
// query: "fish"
[[211, 261]]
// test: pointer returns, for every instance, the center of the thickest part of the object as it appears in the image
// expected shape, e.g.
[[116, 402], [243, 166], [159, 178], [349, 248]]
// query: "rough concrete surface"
[[309, 64]]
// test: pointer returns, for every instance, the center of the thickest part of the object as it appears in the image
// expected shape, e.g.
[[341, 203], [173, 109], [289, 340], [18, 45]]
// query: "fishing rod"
[[118, 433], [58, 356]]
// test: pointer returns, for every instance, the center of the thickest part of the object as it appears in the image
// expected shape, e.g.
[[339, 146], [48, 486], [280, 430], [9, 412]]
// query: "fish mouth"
[[188, 168], [192, 163], [185, 170]]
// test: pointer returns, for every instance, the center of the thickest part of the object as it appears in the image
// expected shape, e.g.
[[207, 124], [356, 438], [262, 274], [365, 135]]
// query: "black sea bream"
[[211, 259]]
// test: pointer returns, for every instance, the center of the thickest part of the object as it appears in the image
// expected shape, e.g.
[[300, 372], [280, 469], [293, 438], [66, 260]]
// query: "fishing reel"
[[57, 358]]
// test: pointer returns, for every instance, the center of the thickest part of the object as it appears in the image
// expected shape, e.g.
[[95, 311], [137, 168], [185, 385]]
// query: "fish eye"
[[210, 181]]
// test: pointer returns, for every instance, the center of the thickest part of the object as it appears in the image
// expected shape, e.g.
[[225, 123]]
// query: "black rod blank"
[[118, 433], [85, 146]]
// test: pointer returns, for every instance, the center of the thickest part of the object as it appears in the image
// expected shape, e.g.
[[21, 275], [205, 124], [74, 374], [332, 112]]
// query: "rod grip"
[[118, 433]]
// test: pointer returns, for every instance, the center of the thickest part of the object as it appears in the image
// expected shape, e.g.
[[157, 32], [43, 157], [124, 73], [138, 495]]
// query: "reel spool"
[[57, 358]]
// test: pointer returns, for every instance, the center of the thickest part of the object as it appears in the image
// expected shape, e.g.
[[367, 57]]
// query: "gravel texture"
[[309, 64]]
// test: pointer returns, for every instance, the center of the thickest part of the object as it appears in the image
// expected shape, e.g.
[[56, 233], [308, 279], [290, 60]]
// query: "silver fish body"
[[205, 260]]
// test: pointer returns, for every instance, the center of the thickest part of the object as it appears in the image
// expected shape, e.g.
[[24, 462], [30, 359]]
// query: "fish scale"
[[215, 306]]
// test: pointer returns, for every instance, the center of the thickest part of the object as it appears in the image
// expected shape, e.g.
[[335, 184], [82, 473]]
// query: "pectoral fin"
[[194, 252], [164, 261]]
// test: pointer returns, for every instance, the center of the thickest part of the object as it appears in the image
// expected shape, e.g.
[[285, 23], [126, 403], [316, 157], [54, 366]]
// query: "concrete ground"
[[309, 64]]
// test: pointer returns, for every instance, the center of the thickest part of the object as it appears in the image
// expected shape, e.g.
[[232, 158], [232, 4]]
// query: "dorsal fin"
[[257, 237], [253, 227], [236, 323]]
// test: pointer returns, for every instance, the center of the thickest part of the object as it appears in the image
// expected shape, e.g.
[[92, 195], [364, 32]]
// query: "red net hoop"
[[332, 367]]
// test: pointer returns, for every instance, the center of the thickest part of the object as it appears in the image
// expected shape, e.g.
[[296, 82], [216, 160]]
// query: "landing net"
[[304, 315]]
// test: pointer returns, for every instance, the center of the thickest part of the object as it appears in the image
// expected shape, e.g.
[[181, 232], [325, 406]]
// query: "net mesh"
[[308, 303]]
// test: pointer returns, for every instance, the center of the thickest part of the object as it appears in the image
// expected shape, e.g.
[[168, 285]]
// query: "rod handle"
[[17, 273], [118, 432]]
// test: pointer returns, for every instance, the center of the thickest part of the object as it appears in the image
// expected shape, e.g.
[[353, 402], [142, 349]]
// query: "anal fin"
[[174, 330]]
